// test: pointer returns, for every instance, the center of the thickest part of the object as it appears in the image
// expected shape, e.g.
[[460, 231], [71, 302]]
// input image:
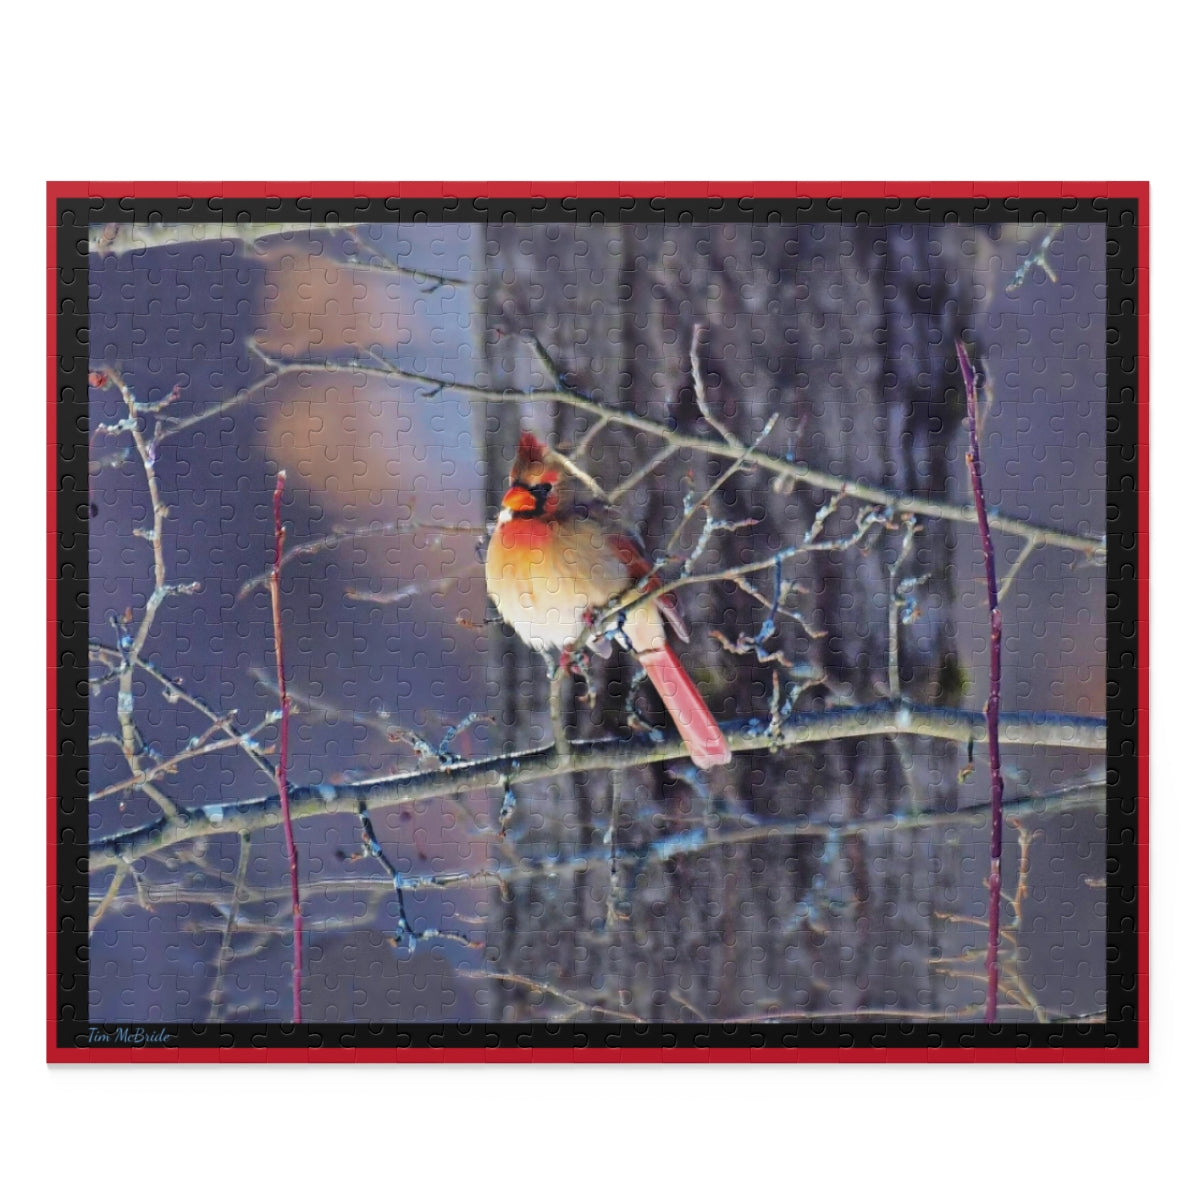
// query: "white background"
[[619, 91]]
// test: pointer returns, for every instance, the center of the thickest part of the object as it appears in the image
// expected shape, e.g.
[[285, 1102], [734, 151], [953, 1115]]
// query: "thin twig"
[[397, 734], [646, 469], [1037, 258], [689, 1007], [701, 391], [114, 887], [902, 606], [1031, 544], [610, 617], [174, 691], [843, 1016], [429, 280], [121, 238], [738, 464], [614, 901], [590, 436], [1025, 840], [573, 468], [406, 937], [132, 645], [975, 466], [558, 725], [330, 541], [285, 706], [575, 1004], [196, 747], [239, 885], [790, 585]]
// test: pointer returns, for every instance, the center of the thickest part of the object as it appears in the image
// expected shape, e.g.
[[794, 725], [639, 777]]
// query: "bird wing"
[[632, 553]]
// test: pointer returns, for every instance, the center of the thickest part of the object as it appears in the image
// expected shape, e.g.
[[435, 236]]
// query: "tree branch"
[[128, 237], [975, 467], [1084, 734], [736, 831], [130, 646], [797, 472], [285, 705]]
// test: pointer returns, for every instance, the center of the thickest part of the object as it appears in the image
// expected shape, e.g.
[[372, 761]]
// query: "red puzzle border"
[[1140, 191]]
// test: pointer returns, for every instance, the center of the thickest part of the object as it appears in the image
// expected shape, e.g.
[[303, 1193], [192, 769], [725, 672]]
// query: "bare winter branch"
[[510, 770], [797, 472], [285, 704], [975, 467]]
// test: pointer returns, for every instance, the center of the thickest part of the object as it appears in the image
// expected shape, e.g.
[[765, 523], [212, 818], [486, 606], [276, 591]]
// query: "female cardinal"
[[552, 564]]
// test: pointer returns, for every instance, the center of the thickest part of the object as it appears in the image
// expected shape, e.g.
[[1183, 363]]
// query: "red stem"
[[285, 705], [993, 702]]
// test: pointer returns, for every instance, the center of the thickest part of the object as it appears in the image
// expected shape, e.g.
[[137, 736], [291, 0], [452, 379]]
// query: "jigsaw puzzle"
[[700, 625]]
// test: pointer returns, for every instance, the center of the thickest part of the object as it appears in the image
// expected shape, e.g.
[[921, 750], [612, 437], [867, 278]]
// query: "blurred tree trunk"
[[847, 333]]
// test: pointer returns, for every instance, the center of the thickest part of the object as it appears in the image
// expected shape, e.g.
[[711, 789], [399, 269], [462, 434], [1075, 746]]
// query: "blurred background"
[[845, 332]]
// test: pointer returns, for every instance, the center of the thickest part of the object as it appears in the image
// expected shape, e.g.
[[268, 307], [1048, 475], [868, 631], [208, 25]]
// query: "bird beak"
[[519, 499]]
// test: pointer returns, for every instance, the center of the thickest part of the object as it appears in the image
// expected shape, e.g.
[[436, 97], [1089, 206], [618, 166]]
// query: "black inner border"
[[1119, 215]]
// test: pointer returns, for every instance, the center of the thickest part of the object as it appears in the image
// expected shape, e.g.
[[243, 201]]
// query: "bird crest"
[[530, 466]]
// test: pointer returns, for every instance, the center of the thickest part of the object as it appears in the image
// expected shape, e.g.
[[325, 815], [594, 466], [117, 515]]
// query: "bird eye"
[[540, 490]]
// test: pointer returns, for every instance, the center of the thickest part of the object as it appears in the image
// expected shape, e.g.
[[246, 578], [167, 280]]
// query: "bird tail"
[[697, 726]]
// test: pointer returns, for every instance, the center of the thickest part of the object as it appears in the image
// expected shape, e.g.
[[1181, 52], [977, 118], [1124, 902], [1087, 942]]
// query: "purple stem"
[[285, 705], [993, 701]]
